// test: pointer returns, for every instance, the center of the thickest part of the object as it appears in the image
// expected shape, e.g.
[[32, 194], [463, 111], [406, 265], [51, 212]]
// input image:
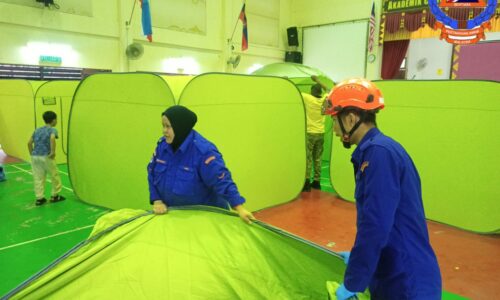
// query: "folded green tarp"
[[193, 253]]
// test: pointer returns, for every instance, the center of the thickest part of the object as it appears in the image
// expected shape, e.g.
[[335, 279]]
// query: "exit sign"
[[53, 60]]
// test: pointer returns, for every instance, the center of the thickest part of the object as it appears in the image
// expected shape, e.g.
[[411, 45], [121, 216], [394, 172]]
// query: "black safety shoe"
[[40, 201], [57, 198], [315, 185], [307, 186]]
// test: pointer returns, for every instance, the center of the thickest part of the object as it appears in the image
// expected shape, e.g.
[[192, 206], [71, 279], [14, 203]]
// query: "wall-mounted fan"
[[234, 60], [134, 51], [421, 64]]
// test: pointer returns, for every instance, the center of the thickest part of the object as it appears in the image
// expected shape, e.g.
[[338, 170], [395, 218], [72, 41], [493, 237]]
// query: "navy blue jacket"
[[392, 254], [194, 175]]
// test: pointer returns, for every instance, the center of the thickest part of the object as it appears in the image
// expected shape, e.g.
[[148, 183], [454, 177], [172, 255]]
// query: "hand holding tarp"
[[244, 214], [159, 208]]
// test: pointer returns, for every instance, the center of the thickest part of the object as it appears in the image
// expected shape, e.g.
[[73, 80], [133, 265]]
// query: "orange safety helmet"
[[356, 93]]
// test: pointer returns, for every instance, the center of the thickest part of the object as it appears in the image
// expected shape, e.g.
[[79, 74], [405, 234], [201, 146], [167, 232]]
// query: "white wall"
[[99, 39], [267, 24], [94, 40], [319, 12], [338, 49], [492, 36], [437, 53]]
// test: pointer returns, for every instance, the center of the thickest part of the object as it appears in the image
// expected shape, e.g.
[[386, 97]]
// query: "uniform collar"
[[365, 142], [186, 142], [184, 145]]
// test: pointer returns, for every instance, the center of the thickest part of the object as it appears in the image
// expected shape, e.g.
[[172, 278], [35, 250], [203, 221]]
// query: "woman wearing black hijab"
[[187, 169]]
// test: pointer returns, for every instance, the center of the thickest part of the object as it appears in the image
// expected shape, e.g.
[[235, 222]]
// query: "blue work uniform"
[[392, 254], [194, 175]]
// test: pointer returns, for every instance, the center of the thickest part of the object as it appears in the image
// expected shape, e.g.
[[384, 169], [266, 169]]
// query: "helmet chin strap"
[[346, 136]]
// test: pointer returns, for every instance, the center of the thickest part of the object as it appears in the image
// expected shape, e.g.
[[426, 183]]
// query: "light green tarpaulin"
[[449, 128], [188, 254], [56, 96], [258, 124], [300, 75], [114, 126], [17, 116]]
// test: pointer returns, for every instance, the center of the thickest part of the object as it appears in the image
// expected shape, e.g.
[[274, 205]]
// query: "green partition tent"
[[22, 104], [114, 126], [56, 96], [300, 75], [177, 83], [449, 130], [258, 124], [193, 253], [17, 117]]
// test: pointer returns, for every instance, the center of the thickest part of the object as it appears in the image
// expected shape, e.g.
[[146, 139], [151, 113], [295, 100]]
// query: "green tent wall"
[[114, 126], [56, 96], [258, 124], [449, 130], [17, 116]]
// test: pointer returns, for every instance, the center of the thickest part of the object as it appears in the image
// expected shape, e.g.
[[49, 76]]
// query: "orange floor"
[[470, 263]]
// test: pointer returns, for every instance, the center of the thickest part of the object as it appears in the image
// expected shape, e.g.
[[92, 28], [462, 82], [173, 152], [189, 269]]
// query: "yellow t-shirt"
[[315, 120]]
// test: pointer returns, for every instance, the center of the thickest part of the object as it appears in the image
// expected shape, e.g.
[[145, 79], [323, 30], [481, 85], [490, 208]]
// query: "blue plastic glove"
[[345, 255], [343, 294]]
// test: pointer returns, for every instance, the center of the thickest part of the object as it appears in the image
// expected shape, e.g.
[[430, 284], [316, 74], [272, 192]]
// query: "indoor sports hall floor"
[[31, 237]]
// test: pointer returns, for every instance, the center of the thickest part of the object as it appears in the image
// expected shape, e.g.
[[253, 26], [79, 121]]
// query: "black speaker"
[[293, 56], [293, 37]]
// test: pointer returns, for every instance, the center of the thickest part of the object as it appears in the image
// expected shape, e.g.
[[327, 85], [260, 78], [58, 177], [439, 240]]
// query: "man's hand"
[[159, 208], [244, 214]]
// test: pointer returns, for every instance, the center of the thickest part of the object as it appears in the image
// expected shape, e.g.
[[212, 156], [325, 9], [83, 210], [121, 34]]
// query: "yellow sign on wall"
[[404, 5]]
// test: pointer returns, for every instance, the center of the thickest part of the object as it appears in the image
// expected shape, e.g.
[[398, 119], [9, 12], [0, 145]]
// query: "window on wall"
[[402, 70], [30, 72]]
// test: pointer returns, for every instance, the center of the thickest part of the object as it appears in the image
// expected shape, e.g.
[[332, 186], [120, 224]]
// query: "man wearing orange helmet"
[[391, 254]]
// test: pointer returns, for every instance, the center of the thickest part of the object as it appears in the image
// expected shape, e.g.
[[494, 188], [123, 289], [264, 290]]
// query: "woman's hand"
[[244, 214], [159, 208]]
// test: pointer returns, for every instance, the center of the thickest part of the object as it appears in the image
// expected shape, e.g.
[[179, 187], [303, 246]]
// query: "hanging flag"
[[371, 29], [244, 35], [146, 20]]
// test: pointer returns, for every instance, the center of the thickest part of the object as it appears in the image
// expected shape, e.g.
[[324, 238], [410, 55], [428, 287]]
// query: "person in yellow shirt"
[[313, 104]]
